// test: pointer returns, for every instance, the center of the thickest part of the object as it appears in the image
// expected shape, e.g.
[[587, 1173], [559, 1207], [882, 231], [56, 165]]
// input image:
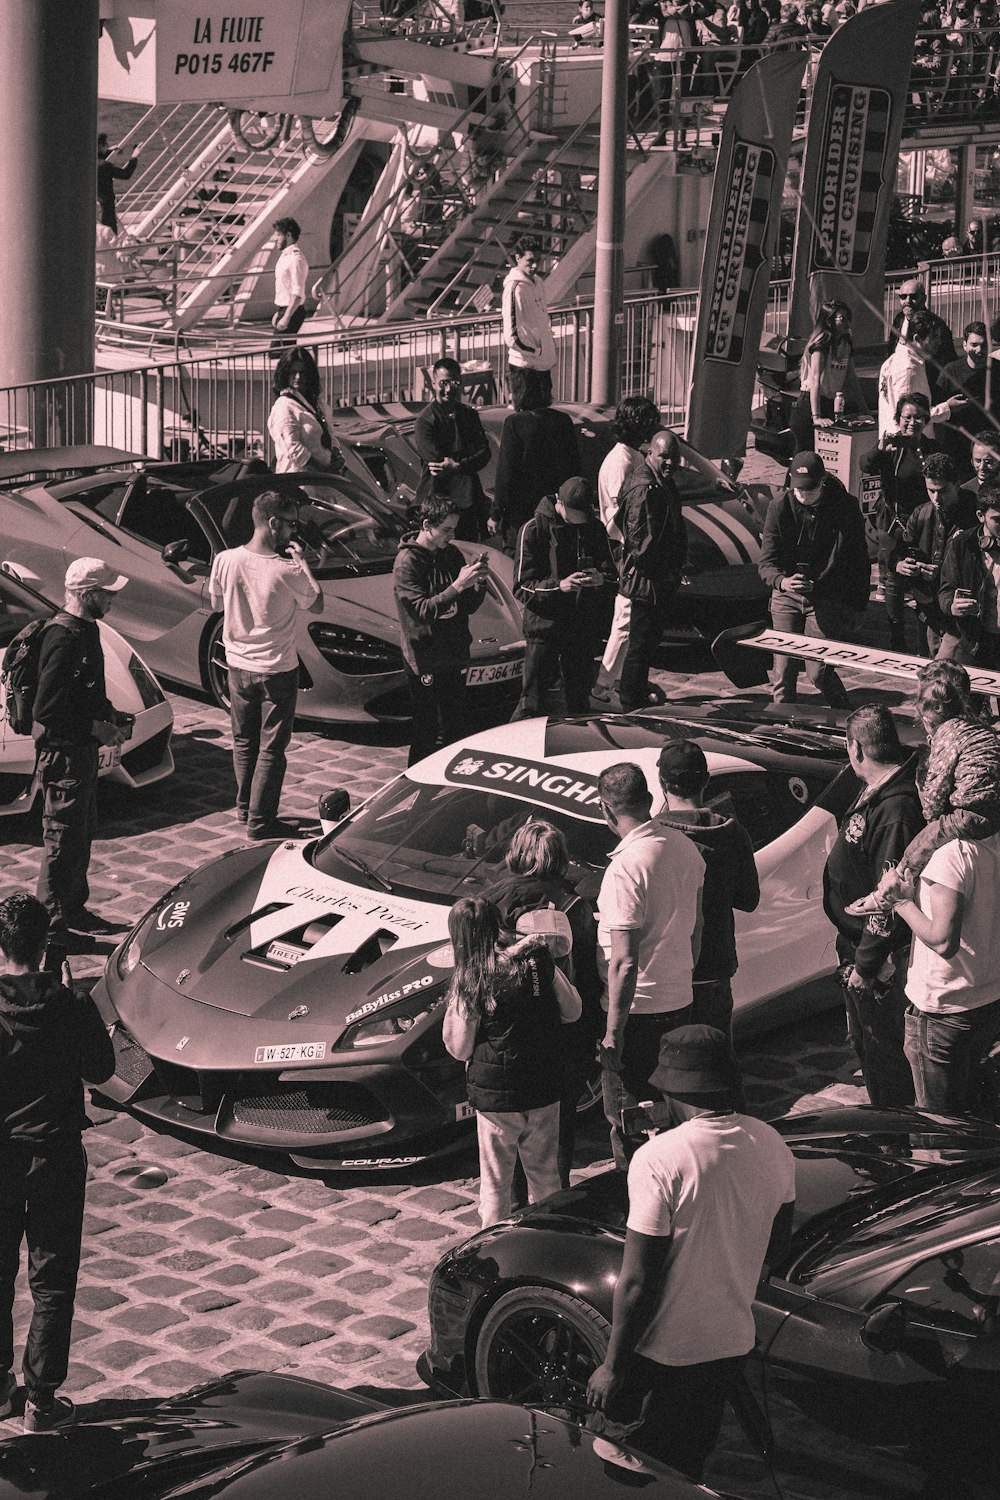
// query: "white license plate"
[[498, 671], [108, 756], [294, 1052], [285, 953]]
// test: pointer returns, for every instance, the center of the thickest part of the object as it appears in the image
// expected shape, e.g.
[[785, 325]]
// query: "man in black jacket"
[[563, 577], [731, 879], [814, 558], [968, 592], [654, 551], [436, 591], [940, 346], [50, 1040], [75, 724], [450, 439], [876, 829], [538, 453], [930, 528]]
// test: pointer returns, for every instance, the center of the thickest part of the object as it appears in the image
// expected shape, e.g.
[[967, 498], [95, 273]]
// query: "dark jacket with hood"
[[538, 452], [963, 567], [874, 832], [516, 1063], [433, 619], [71, 693], [928, 532], [900, 467], [443, 431], [654, 537], [50, 1039], [828, 539], [549, 549], [731, 880]]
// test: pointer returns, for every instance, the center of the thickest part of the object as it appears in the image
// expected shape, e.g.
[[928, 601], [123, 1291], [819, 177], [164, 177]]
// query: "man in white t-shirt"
[[260, 589], [649, 937], [709, 1202], [953, 982], [291, 271]]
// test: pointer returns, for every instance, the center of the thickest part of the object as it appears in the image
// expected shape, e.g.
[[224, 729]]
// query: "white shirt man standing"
[[291, 270], [260, 589], [649, 938]]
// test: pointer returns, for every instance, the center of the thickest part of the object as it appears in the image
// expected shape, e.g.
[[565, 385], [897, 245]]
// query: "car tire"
[[214, 671], [539, 1346]]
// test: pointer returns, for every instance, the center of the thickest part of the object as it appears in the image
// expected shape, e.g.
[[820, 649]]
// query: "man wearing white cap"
[[73, 719]]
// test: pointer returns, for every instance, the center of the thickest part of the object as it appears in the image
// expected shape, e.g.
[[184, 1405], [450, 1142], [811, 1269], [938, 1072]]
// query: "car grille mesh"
[[132, 1065], [316, 1110], [147, 755]]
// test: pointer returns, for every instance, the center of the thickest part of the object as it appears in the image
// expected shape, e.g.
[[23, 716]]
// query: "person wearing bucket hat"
[[73, 719], [709, 1201]]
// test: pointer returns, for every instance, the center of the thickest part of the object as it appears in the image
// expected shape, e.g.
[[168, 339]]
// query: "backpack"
[[19, 674]]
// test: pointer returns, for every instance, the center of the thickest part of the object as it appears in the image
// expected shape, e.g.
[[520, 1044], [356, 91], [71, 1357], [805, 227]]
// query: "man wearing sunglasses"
[[450, 439], [940, 343]]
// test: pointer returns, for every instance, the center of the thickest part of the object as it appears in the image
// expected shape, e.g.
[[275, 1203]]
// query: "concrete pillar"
[[609, 278], [48, 188]]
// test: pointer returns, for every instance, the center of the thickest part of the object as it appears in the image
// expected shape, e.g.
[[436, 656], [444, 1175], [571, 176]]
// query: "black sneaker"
[[59, 1413], [276, 830], [85, 920]]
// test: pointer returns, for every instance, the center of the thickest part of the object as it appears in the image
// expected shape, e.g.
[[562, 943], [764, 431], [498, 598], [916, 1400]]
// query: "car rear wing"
[[21, 463], [744, 672]]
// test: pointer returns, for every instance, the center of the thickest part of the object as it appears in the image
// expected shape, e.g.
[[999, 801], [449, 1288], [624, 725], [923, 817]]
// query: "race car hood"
[[260, 932]]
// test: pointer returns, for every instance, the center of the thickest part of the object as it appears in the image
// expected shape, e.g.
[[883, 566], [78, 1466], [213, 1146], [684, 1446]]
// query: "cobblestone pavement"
[[231, 1264]]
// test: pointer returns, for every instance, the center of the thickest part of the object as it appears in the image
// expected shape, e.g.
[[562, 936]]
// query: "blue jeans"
[[945, 1052], [262, 713], [824, 619]]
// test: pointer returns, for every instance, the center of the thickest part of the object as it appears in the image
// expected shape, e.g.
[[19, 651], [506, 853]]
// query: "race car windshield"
[[442, 842], [343, 533]]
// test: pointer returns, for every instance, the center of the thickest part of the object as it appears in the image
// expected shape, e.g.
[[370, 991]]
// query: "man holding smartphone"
[[970, 587], [947, 511], [260, 589]]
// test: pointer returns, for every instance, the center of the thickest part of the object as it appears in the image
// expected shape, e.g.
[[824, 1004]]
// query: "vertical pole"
[[48, 186], [609, 282]]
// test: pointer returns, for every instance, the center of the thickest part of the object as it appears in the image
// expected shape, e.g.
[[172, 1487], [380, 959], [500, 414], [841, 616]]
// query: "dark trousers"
[[262, 713], [568, 650], [284, 338], [626, 1087], [645, 630], [527, 385], [875, 1027], [682, 1409], [945, 1053], [824, 619], [68, 780], [41, 1201], [438, 700], [713, 1004]]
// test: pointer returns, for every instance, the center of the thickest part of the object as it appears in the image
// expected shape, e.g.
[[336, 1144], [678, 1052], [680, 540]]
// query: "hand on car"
[[106, 733], [602, 1387]]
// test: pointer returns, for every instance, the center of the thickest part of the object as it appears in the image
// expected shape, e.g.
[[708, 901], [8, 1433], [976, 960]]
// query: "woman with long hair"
[[298, 422], [507, 1005], [825, 372]]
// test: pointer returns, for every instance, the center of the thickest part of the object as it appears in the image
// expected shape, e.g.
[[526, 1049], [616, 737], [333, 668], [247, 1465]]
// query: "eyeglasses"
[[909, 297], [449, 384]]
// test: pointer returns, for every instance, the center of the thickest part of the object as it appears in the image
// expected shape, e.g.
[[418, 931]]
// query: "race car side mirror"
[[884, 1331], [333, 806], [175, 552]]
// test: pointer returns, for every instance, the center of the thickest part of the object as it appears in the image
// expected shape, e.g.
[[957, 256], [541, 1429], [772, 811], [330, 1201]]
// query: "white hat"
[[91, 573]]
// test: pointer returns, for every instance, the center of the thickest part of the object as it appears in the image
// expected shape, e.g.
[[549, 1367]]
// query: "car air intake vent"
[[371, 951], [285, 952], [255, 916]]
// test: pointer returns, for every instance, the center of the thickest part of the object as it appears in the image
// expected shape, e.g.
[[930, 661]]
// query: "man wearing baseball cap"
[[814, 558], [73, 720], [563, 578], [709, 1202]]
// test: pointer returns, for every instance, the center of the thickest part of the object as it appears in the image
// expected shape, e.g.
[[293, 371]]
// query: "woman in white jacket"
[[527, 332], [298, 422]]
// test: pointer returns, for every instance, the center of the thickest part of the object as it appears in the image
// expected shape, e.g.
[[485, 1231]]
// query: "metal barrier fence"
[[217, 404]]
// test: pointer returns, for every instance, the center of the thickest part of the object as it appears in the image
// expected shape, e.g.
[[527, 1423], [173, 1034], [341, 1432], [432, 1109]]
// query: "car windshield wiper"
[[357, 863]]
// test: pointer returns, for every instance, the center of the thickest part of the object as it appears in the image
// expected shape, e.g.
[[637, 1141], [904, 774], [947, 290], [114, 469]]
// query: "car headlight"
[[146, 684], [353, 652], [130, 953], [389, 1026]]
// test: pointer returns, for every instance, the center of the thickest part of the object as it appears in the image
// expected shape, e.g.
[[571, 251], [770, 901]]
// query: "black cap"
[[695, 1060], [681, 758], [806, 471], [575, 494]]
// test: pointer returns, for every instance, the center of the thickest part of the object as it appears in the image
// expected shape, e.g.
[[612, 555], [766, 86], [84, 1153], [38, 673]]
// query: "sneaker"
[[59, 1413], [91, 921], [8, 1385], [603, 694], [276, 830]]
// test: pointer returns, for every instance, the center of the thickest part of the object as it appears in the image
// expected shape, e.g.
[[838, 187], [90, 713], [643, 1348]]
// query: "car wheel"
[[539, 1347], [214, 669]]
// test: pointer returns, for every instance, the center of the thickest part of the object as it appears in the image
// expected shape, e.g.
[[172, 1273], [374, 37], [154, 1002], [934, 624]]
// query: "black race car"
[[278, 1437], [878, 1334]]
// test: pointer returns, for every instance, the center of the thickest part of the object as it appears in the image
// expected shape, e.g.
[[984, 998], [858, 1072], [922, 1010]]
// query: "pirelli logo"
[[850, 178], [529, 781], [740, 255]]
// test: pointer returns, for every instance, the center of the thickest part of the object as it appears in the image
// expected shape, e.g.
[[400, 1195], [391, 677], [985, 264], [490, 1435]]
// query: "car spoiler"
[[24, 461], [728, 648]]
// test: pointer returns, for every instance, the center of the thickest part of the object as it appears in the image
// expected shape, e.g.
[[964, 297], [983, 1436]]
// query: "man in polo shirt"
[[649, 938]]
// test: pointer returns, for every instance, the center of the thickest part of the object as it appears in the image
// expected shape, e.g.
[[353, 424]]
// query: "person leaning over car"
[[73, 718], [709, 1202], [969, 593], [730, 876], [563, 573], [814, 558], [436, 591], [874, 832]]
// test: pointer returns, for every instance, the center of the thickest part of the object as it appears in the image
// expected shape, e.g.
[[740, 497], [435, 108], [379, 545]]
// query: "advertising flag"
[[742, 233], [849, 168]]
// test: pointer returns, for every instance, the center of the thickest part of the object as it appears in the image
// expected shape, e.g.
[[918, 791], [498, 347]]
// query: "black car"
[[278, 1437], [878, 1334]]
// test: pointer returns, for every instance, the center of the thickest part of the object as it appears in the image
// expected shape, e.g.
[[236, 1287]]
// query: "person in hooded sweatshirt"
[[436, 591], [527, 332], [50, 1040], [731, 879], [564, 580]]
